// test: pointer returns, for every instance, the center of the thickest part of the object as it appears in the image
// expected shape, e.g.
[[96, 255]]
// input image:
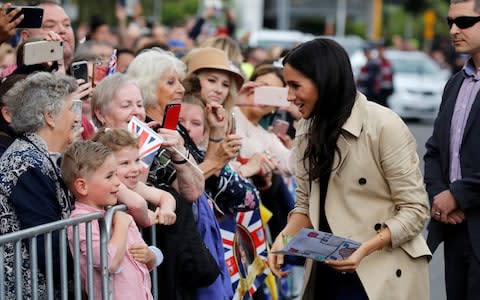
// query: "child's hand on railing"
[[166, 216]]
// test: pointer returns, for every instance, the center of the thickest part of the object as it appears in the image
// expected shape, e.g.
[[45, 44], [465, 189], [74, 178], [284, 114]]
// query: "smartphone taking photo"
[[271, 96], [42, 51], [280, 127], [233, 124], [171, 115], [79, 70], [32, 16]]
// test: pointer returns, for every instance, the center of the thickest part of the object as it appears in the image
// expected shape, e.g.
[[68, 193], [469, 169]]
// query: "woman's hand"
[[228, 150], [382, 239], [173, 143], [245, 92], [216, 117], [286, 140], [84, 90], [275, 261], [231, 147], [260, 163], [351, 263], [7, 23]]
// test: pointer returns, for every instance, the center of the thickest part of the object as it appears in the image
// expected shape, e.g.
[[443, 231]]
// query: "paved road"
[[422, 132]]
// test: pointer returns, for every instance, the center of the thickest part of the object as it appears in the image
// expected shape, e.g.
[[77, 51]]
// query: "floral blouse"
[[31, 193]]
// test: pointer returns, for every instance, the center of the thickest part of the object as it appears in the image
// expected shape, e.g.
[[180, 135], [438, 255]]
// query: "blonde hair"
[[227, 44], [115, 139], [81, 158]]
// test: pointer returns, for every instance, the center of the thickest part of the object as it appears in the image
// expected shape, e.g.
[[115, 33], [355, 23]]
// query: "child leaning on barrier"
[[125, 147], [90, 171]]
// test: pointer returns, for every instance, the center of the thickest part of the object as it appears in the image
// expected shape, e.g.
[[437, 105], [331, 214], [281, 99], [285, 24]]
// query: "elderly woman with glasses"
[[31, 189]]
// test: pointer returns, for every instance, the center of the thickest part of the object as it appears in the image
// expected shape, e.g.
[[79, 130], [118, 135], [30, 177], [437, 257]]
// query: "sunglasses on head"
[[463, 22]]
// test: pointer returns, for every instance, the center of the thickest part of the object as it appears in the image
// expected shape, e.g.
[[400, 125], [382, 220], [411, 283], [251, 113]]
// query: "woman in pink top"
[[89, 170]]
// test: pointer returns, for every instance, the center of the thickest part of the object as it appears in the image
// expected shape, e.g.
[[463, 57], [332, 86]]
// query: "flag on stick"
[[112, 63], [148, 141]]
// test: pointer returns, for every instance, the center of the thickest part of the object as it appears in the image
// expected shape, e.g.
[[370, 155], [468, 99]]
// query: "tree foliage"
[[415, 7]]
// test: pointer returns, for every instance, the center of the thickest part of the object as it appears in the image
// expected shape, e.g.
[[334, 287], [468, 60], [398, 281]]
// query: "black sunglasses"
[[463, 22]]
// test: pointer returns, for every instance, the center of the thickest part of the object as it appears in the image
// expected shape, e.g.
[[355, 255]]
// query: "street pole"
[[376, 33], [283, 13], [157, 10], [341, 17]]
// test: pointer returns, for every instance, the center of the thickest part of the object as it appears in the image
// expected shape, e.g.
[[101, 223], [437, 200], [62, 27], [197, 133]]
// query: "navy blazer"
[[437, 165]]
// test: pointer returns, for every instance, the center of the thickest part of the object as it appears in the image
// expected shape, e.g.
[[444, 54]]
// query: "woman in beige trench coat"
[[358, 177]]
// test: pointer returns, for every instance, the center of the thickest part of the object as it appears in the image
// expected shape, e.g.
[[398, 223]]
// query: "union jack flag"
[[112, 63], [148, 141], [245, 246]]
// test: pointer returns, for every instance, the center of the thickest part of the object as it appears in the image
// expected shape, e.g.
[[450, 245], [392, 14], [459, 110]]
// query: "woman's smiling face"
[[128, 103], [302, 91]]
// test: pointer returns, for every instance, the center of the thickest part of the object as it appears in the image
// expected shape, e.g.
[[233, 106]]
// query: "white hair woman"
[[32, 191], [159, 74]]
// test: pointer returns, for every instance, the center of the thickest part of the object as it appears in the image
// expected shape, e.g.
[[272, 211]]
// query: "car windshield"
[[415, 66]]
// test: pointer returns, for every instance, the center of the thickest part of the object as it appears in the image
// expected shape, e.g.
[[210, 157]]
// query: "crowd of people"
[[343, 164]]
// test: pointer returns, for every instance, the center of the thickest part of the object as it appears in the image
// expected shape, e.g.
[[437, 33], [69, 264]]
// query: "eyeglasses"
[[463, 22]]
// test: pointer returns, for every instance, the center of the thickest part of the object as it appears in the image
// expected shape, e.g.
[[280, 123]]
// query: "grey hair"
[[460, 1], [105, 92], [149, 66], [28, 100]]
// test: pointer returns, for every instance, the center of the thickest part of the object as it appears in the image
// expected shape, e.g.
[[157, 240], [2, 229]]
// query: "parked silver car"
[[418, 83]]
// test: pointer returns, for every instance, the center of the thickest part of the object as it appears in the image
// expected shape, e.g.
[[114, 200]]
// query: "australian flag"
[[148, 141], [112, 63]]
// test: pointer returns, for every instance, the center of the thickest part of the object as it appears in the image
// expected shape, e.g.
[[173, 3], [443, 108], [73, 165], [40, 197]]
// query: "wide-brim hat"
[[212, 58]]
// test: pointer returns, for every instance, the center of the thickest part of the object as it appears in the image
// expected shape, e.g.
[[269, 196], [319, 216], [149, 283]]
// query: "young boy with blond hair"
[[90, 171], [125, 147]]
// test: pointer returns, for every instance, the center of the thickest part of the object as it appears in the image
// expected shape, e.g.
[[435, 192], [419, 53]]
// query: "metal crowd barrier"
[[30, 236]]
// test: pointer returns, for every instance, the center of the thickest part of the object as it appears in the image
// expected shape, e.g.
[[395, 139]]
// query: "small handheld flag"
[[148, 141], [112, 63]]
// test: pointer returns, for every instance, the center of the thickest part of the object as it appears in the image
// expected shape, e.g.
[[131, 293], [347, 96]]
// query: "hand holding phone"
[[79, 70], [42, 51], [32, 16], [233, 125], [280, 127], [271, 96], [171, 115]]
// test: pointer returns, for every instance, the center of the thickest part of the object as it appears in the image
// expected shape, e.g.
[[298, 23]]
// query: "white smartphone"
[[271, 96], [42, 51]]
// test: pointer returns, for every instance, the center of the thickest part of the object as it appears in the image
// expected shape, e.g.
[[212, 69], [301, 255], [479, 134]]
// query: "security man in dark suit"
[[452, 162]]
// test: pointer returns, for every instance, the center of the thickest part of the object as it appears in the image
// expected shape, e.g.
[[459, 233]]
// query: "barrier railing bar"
[[76, 262], [2, 273], [89, 260], [57, 225], [106, 229], [18, 269], [154, 271], [63, 264], [34, 266], [48, 264], [19, 237]]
